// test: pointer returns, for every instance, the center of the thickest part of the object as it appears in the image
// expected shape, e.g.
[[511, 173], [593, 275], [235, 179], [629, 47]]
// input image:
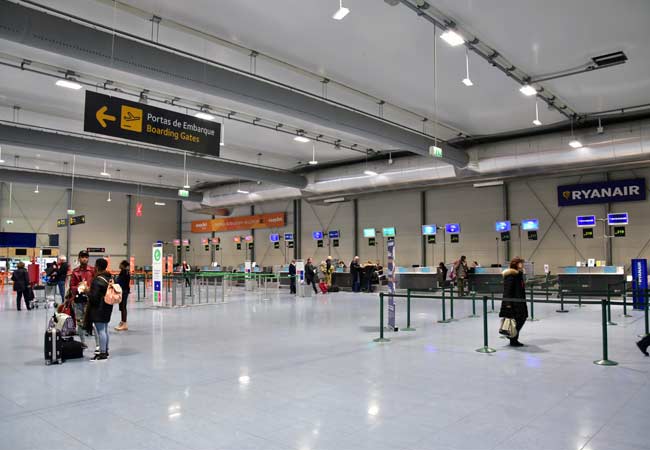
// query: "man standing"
[[80, 282], [292, 277], [355, 271], [310, 275], [461, 270], [61, 275]]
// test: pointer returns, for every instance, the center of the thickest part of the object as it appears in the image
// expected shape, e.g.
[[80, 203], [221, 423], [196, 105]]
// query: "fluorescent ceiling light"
[[488, 183], [334, 200], [159, 203], [36, 190], [109, 198], [204, 115], [371, 173], [71, 212], [528, 90], [467, 82], [70, 84], [241, 191], [313, 162], [574, 143], [537, 122], [10, 221], [302, 139], [341, 13], [452, 38], [105, 174]]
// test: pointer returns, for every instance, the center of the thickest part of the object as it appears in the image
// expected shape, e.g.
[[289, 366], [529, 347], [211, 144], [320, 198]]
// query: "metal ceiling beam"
[[91, 184], [120, 51], [76, 145]]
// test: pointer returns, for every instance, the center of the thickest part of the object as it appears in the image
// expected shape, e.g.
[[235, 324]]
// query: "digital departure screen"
[[452, 228], [617, 219], [586, 221], [530, 224], [388, 232], [429, 230], [503, 226]]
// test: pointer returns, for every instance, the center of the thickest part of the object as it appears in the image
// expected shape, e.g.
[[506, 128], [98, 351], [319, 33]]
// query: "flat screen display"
[[586, 221], [617, 219], [388, 232], [317, 235], [530, 224], [369, 232], [452, 228], [503, 226], [274, 237], [288, 236], [334, 234], [249, 238], [428, 230]]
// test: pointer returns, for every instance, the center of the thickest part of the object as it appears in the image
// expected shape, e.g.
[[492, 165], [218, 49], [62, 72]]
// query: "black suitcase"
[[334, 288], [71, 349], [53, 347]]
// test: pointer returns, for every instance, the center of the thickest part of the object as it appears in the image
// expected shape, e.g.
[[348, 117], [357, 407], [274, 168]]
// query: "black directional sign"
[[505, 236], [117, 117], [431, 239], [619, 231], [455, 238], [532, 235], [587, 233]]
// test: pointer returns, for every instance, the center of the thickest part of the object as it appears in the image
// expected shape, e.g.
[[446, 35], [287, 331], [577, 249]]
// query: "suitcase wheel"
[[48, 362], [59, 361]]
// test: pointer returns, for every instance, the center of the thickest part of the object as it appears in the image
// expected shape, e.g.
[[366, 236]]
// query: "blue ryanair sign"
[[604, 192]]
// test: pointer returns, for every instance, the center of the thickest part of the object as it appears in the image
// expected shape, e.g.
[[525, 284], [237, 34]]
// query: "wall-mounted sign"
[[431, 239], [455, 238], [288, 237], [186, 242], [183, 193], [532, 235], [77, 220], [587, 233], [251, 245], [117, 117], [216, 240], [276, 245], [289, 244], [271, 220], [177, 242], [503, 226], [619, 231], [238, 246], [96, 250], [274, 237], [138, 209], [452, 228], [61, 223], [586, 221], [505, 236], [204, 241], [388, 232], [530, 224], [317, 235], [371, 242], [428, 230], [334, 234], [604, 192], [236, 239], [319, 243], [217, 247], [248, 238], [335, 242], [617, 219], [369, 232]]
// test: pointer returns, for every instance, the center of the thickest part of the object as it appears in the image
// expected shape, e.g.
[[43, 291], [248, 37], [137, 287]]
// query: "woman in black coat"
[[20, 277], [124, 280], [514, 287], [98, 310]]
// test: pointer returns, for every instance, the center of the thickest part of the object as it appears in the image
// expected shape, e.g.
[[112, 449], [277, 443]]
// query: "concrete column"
[[296, 227], [423, 219], [68, 228], [179, 228], [506, 216], [253, 234], [129, 200], [355, 241]]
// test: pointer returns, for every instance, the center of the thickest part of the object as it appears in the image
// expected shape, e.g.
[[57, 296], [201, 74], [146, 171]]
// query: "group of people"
[[321, 276], [84, 297], [363, 275]]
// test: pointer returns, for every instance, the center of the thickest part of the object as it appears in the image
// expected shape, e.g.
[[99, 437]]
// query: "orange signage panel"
[[272, 220]]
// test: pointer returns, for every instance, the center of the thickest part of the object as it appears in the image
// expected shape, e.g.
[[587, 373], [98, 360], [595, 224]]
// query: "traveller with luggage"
[[514, 288], [80, 281], [99, 310], [22, 286]]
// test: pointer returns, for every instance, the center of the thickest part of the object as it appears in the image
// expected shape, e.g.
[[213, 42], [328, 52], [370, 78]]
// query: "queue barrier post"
[[605, 361], [562, 310], [492, 311], [137, 283], [444, 311], [451, 306], [532, 306], [609, 309], [579, 300], [473, 315], [486, 348], [408, 312], [625, 314], [645, 316], [381, 320]]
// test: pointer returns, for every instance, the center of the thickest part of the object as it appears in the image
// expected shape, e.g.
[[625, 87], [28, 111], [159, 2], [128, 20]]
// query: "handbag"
[[508, 328]]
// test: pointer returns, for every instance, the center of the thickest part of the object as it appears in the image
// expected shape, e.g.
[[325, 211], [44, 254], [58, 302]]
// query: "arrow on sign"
[[102, 117]]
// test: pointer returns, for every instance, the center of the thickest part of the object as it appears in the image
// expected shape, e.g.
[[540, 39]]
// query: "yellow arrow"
[[102, 117]]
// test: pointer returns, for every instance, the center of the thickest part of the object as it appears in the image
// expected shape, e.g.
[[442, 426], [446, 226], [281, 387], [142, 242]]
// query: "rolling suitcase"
[[71, 349], [53, 346], [334, 288], [323, 287]]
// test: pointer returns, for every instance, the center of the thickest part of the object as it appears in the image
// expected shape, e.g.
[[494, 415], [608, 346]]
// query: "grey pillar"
[[129, 200], [179, 228], [355, 241], [608, 231], [68, 228], [423, 218], [298, 235], [253, 234], [296, 227], [506, 214], [212, 253], [2, 193]]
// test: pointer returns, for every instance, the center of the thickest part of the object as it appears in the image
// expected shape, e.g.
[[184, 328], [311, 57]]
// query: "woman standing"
[[20, 277], [514, 288], [124, 280], [100, 311]]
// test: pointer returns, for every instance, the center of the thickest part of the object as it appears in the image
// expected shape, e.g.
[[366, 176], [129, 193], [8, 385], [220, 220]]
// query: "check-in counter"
[[342, 279], [591, 281], [486, 280], [417, 279]]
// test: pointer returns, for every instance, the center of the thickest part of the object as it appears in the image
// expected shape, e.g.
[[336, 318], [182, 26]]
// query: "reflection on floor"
[[301, 374]]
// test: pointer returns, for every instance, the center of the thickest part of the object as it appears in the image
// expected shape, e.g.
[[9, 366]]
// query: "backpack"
[[113, 293], [64, 323], [454, 268]]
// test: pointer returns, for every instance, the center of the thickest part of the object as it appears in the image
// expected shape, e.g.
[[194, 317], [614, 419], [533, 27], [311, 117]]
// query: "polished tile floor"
[[304, 374]]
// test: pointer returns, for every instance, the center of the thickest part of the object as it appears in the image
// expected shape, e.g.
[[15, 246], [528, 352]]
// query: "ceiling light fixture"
[[2, 161], [452, 38], [204, 115], [334, 200], [109, 197], [467, 81], [301, 137], [159, 203], [488, 184], [36, 190], [528, 90], [313, 161], [370, 173], [574, 143], [103, 172], [242, 191], [221, 134], [341, 12], [69, 83], [537, 122]]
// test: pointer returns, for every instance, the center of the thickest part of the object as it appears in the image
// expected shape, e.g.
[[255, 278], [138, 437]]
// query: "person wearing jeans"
[[61, 275], [100, 311], [355, 271], [80, 281]]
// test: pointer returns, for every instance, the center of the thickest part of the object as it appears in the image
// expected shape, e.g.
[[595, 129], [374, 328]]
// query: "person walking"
[[442, 275], [100, 311], [461, 270], [514, 287], [310, 274], [80, 281], [355, 272], [292, 277], [20, 277], [186, 269], [643, 345], [61, 276], [124, 280], [329, 270]]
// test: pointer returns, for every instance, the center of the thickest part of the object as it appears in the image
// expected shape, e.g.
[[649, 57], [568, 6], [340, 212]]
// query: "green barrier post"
[[408, 312], [580, 300], [451, 306], [532, 306], [609, 310], [473, 305], [645, 313], [562, 310], [381, 320], [444, 314], [625, 314], [485, 348], [492, 310], [605, 361]]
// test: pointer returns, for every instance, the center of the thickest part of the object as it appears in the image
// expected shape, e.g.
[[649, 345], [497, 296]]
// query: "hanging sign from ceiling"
[[271, 220], [117, 117], [605, 192]]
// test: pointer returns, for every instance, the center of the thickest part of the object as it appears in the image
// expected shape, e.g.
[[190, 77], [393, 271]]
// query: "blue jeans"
[[61, 285], [102, 332], [356, 283]]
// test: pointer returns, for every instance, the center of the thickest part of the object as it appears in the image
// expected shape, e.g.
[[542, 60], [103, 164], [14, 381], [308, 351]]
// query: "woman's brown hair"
[[514, 262]]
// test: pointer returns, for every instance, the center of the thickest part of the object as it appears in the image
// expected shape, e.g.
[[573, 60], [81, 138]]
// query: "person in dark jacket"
[[310, 275], [61, 276], [98, 310], [442, 275], [355, 271], [368, 272], [124, 280], [292, 277], [514, 288], [20, 277], [643, 345]]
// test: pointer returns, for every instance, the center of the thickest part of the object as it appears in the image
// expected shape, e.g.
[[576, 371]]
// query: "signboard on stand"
[[392, 269], [157, 273], [640, 283]]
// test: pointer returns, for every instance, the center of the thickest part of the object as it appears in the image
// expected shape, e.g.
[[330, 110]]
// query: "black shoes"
[[516, 344], [643, 349]]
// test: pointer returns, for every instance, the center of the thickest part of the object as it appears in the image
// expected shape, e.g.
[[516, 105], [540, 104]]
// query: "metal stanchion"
[[381, 320], [625, 314], [473, 315], [408, 312], [605, 361], [579, 300], [532, 306], [444, 313], [451, 306], [562, 310], [492, 310], [223, 289], [609, 310], [198, 282], [173, 294], [645, 317], [486, 348], [137, 282]]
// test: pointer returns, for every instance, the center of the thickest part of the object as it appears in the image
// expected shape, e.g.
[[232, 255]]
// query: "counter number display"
[[617, 219], [452, 228], [530, 224], [369, 232], [501, 227], [388, 232], [429, 230], [586, 221]]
